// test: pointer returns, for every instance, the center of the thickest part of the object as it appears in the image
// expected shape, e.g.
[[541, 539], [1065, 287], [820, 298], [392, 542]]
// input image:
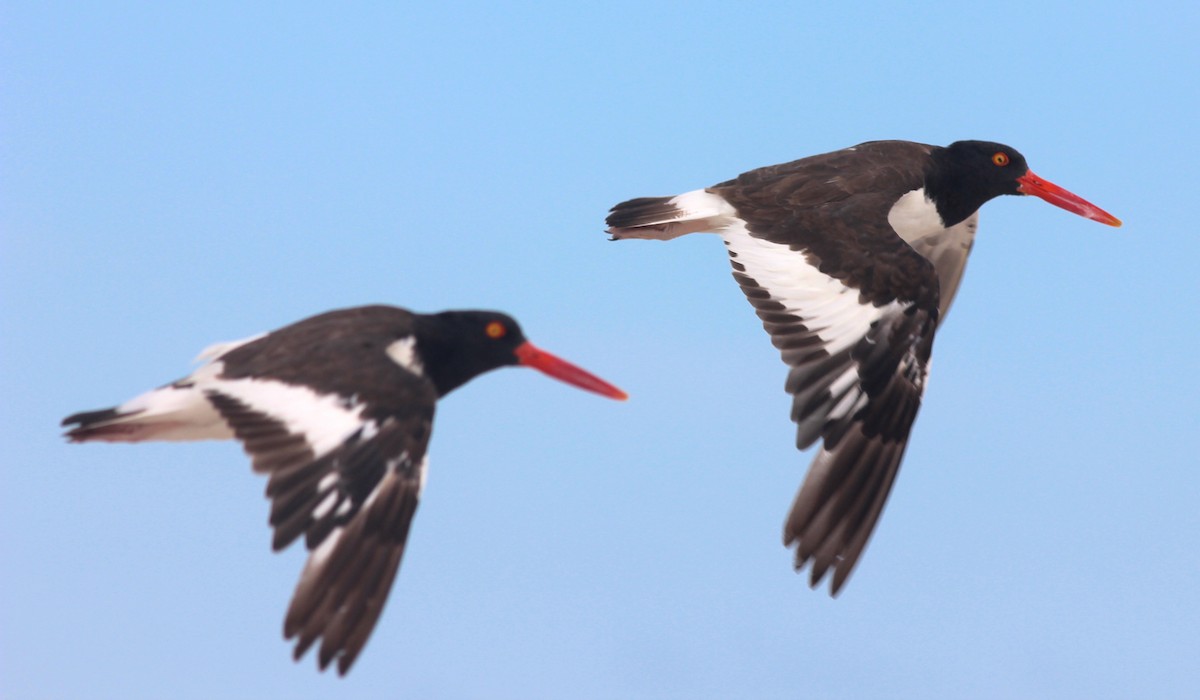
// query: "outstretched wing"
[[857, 338], [345, 472], [851, 307], [861, 402]]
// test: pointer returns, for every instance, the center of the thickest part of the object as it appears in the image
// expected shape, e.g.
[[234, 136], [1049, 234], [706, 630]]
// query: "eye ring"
[[495, 330], [1000, 158]]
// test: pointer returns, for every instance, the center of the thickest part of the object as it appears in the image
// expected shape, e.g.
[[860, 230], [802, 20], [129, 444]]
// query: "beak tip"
[[530, 356]]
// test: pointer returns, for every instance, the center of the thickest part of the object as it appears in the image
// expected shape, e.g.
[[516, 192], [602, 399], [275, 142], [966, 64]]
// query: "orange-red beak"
[[562, 370], [1036, 186]]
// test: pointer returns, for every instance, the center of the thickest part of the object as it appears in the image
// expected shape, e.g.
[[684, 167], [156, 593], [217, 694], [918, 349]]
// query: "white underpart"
[[404, 353], [915, 216], [916, 219]]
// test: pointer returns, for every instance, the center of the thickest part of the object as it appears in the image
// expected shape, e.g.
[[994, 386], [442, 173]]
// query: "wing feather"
[[851, 307], [353, 503], [857, 369]]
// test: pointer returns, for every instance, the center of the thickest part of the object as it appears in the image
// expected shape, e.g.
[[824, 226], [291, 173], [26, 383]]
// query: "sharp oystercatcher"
[[337, 409], [842, 256]]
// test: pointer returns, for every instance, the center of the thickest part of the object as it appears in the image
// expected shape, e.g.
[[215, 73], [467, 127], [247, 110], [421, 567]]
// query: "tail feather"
[[643, 211], [173, 412], [664, 218], [107, 424]]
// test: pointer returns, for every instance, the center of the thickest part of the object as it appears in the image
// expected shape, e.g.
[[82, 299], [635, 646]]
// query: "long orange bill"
[[562, 370], [1036, 186]]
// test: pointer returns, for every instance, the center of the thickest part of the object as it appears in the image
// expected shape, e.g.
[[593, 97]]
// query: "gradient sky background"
[[176, 175]]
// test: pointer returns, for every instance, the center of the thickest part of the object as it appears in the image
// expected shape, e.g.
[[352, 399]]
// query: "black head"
[[457, 346], [966, 174]]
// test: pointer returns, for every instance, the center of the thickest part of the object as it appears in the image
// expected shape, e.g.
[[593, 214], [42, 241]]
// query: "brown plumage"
[[850, 259]]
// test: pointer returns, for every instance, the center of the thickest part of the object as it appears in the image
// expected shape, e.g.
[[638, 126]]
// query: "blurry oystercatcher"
[[842, 256], [337, 409]]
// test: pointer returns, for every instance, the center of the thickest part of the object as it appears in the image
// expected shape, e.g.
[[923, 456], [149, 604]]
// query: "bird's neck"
[[952, 190]]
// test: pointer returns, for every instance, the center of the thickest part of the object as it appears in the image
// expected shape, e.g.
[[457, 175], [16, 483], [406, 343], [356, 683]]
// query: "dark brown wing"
[[863, 435], [851, 307], [853, 311], [345, 468], [347, 578], [354, 505]]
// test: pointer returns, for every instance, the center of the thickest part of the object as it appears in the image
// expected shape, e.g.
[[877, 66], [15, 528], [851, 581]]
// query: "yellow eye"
[[495, 329], [1000, 158]]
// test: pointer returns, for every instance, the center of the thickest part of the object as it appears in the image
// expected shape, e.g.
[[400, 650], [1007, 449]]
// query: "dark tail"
[[105, 424], [641, 212]]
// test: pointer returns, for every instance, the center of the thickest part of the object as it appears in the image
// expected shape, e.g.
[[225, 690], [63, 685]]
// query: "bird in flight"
[[337, 411], [850, 259]]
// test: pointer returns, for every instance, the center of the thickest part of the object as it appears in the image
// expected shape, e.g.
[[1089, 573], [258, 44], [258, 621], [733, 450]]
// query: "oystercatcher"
[[842, 256], [337, 409]]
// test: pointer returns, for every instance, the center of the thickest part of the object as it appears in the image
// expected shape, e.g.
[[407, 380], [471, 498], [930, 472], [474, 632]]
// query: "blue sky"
[[176, 175]]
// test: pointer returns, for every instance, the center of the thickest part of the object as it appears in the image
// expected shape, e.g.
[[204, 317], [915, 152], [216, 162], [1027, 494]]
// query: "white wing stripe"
[[826, 306], [325, 420], [325, 505]]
